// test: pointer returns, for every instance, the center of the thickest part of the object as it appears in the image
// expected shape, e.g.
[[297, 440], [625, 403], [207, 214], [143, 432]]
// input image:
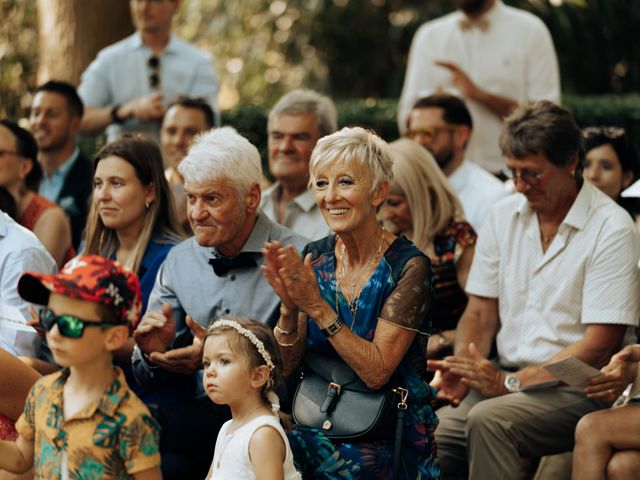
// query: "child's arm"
[[16, 457], [149, 474], [267, 453]]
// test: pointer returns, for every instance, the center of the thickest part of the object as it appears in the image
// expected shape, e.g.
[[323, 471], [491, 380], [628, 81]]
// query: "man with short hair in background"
[[184, 119], [442, 124], [130, 83], [56, 112], [296, 122]]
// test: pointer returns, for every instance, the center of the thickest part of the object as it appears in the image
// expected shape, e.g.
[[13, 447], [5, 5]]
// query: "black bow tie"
[[221, 265]]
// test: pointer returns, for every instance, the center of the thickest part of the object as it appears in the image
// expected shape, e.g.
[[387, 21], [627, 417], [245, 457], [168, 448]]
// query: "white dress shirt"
[[302, 215], [20, 250], [477, 190], [514, 58], [588, 275]]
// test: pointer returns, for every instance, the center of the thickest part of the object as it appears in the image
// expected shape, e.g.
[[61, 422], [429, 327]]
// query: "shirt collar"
[[577, 215], [306, 201], [63, 169], [109, 402], [4, 223], [137, 43]]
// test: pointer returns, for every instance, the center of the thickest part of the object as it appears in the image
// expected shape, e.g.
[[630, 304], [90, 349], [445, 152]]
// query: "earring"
[[146, 204]]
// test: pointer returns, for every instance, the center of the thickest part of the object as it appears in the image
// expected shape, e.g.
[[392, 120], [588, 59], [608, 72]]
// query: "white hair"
[[222, 154], [354, 145]]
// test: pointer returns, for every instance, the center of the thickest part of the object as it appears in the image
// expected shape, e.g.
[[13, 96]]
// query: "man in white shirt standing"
[[442, 124], [554, 275], [493, 56], [296, 122]]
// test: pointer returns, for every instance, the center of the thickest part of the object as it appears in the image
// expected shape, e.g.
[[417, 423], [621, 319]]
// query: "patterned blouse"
[[112, 438], [444, 252]]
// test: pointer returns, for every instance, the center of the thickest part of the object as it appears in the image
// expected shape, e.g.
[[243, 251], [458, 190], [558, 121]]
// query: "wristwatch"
[[512, 383]]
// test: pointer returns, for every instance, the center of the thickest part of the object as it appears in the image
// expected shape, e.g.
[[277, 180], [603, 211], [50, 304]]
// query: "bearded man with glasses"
[[130, 83], [554, 275]]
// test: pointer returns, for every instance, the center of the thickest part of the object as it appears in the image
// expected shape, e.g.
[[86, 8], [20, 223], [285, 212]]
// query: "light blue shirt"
[[20, 250], [51, 186], [187, 282], [121, 73]]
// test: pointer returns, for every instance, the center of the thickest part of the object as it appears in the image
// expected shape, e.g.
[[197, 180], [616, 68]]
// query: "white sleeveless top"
[[231, 458]]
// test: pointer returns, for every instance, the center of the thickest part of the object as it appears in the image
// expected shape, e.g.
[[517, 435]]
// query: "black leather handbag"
[[331, 398]]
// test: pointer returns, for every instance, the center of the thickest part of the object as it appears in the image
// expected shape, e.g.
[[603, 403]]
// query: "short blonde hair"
[[354, 145], [431, 199]]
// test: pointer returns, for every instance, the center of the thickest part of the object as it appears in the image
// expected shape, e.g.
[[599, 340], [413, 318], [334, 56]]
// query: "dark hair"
[[68, 91], [197, 104], [242, 345], [543, 127], [8, 203], [627, 154], [26, 147], [143, 154], [454, 110]]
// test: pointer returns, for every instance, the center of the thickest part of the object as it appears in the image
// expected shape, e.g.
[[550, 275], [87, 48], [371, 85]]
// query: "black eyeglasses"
[[69, 326], [154, 66], [610, 133]]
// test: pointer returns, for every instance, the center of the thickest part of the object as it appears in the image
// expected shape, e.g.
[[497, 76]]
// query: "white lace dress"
[[231, 458]]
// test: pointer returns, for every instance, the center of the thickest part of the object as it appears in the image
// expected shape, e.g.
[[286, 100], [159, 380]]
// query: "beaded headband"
[[250, 335]]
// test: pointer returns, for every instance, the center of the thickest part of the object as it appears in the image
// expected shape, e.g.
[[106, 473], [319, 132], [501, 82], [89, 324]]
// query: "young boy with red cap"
[[84, 422]]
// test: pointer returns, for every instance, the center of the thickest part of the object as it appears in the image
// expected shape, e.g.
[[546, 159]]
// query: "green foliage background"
[[351, 49]]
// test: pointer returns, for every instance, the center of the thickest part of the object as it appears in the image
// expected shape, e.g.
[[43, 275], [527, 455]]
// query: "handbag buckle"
[[403, 393], [336, 387], [333, 391]]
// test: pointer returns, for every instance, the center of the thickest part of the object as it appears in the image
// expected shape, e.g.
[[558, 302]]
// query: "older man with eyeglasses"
[[554, 275], [442, 124], [130, 83]]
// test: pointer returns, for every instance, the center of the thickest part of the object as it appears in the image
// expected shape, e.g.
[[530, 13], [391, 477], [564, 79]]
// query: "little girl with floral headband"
[[242, 365]]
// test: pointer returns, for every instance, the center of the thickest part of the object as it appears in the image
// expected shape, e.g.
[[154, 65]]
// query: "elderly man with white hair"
[[216, 272]]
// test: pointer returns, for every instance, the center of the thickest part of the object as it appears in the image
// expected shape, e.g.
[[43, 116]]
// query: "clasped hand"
[[291, 277], [456, 375], [620, 372], [157, 331]]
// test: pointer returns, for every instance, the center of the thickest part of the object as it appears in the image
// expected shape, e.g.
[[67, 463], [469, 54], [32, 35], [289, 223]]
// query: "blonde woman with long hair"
[[423, 206]]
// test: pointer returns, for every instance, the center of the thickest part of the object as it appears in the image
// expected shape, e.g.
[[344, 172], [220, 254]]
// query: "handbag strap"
[[397, 441]]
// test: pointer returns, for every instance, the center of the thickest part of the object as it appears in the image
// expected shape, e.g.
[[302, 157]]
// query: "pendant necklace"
[[352, 301]]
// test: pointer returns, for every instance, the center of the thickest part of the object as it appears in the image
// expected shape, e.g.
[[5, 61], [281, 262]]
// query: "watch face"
[[512, 382]]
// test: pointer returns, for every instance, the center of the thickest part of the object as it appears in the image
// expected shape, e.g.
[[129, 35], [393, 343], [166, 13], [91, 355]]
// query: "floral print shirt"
[[112, 438]]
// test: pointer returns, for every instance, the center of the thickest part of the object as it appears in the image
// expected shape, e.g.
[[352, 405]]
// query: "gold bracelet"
[[276, 332], [284, 333]]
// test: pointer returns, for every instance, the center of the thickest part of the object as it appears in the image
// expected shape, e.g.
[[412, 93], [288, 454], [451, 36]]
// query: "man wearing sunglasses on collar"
[[554, 275], [83, 421], [130, 83]]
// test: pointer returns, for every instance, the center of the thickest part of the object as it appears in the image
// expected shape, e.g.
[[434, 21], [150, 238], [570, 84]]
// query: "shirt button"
[[233, 277], [226, 310]]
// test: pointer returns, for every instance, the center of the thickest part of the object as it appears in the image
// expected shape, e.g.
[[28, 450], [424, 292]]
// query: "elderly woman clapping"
[[362, 297]]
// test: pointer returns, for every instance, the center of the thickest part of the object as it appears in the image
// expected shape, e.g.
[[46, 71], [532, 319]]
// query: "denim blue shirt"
[[121, 73], [50, 187]]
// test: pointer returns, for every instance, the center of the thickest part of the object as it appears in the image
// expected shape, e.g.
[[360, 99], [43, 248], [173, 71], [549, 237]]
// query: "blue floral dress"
[[398, 291]]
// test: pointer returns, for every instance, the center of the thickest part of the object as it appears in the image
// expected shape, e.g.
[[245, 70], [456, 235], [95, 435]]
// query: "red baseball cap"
[[93, 278]]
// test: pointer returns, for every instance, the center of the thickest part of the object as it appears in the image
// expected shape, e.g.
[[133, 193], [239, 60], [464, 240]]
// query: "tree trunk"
[[71, 32]]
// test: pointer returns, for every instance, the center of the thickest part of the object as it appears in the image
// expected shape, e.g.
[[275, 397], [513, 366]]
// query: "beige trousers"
[[486, 438]]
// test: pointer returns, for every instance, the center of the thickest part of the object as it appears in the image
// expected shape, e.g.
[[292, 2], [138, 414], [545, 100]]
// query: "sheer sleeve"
[[409, 304]]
